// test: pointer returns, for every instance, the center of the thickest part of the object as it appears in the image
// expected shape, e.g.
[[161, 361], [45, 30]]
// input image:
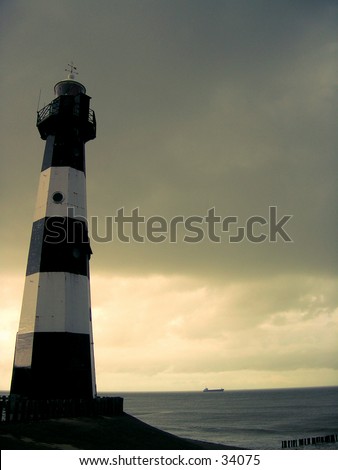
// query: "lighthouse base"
[[55, 366]]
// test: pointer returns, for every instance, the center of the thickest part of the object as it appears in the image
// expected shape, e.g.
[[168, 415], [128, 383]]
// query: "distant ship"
[[213, 390]]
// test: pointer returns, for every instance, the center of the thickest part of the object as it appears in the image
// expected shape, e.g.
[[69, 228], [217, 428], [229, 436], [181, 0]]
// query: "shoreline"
[[123, 432]]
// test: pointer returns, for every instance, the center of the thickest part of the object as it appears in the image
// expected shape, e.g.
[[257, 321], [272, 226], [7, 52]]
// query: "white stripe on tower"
[[70, 183], [54, 355]]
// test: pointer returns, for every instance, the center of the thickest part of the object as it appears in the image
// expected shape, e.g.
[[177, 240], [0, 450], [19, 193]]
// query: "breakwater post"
[[289, 444]]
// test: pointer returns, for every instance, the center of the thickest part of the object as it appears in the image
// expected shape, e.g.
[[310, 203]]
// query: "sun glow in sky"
[[225, 104]]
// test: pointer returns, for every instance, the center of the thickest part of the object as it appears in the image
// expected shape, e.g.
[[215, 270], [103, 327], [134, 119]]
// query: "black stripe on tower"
[[64, 151], [59, 244], [59, 367]]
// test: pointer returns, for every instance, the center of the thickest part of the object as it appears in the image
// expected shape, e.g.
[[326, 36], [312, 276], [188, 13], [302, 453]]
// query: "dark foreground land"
[[118, 432]]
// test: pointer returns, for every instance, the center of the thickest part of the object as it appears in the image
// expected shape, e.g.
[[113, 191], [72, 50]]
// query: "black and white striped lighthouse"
[[54, 355]]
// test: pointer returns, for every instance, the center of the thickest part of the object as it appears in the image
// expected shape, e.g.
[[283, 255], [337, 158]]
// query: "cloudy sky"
[[200, 104]]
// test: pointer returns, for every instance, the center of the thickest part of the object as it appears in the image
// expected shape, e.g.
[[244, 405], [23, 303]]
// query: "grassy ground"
[[118, 432]]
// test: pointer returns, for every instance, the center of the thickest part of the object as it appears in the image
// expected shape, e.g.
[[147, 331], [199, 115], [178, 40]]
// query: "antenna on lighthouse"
[[72, 71], [37, 109]]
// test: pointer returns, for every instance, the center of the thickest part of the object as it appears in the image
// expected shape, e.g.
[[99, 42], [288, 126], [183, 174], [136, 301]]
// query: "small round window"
[[58, 197]]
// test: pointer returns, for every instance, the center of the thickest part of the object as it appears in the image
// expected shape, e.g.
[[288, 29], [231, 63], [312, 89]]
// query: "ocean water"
[[252, 419]]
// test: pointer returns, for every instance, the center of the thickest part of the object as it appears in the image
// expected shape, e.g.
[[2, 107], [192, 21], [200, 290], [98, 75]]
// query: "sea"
[[250, 419]]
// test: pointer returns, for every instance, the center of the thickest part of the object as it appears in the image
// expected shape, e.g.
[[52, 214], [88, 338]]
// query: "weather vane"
[[72, 70]]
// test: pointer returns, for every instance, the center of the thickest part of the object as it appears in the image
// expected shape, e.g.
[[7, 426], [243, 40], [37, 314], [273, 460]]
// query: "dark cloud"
[[225, 104]]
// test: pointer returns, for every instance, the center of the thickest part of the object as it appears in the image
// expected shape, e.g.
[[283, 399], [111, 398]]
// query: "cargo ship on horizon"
[[213, 390]]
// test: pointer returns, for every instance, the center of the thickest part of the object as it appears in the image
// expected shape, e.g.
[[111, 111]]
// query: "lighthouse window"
[[58, 197]]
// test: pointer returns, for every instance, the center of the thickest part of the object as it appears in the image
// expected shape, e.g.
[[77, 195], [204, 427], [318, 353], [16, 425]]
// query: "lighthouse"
[[54, 354]]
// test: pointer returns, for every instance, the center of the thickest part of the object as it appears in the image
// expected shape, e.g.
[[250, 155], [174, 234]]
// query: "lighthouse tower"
[[54, 347]]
